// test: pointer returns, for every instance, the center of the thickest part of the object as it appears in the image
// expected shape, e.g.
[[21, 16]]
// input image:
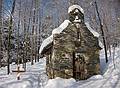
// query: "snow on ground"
[[109, 79], [59, 83], [35, 76], [28, 79]]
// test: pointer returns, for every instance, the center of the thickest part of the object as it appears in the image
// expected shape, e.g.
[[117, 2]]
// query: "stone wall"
[[62, 54], [66, 44]]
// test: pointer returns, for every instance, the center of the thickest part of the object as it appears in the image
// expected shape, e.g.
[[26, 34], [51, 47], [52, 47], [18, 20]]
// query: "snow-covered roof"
[[61, 27], [71, 8], [46, 42], [96, 34], [91, 30], [101, 44], [58, 30]]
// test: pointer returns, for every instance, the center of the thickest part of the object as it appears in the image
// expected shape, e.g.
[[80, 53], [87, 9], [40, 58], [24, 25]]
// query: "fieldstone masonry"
[[75, 51]]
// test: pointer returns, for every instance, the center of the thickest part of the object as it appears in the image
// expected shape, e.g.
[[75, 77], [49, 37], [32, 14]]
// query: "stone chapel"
[[72, 51]]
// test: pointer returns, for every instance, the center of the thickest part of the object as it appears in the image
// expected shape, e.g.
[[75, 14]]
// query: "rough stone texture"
[[75, 51], [66, 43]]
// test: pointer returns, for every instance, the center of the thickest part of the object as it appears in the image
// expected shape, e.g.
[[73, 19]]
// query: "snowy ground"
[[28, 79], [35, 77], [109, 79]]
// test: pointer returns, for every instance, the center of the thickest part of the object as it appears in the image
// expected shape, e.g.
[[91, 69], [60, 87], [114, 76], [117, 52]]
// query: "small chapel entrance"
[[79, 67]]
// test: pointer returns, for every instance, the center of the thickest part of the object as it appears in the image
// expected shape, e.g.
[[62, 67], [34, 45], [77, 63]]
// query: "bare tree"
[[9, 35], [101, 27], [1, 2]]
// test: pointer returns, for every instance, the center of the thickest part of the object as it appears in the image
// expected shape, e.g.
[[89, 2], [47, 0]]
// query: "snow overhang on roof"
[[49, 40], [71, 8], [91, 30], [96, 34], [61, 27], [58, 30], [45, 43]]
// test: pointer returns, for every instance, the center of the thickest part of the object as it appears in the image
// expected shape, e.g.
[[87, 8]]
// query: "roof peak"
[[71, 8]]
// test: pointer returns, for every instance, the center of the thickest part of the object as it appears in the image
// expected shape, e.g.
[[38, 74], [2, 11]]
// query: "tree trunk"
[[0, 31], [9, 44], [101, 27], [9, 37]]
